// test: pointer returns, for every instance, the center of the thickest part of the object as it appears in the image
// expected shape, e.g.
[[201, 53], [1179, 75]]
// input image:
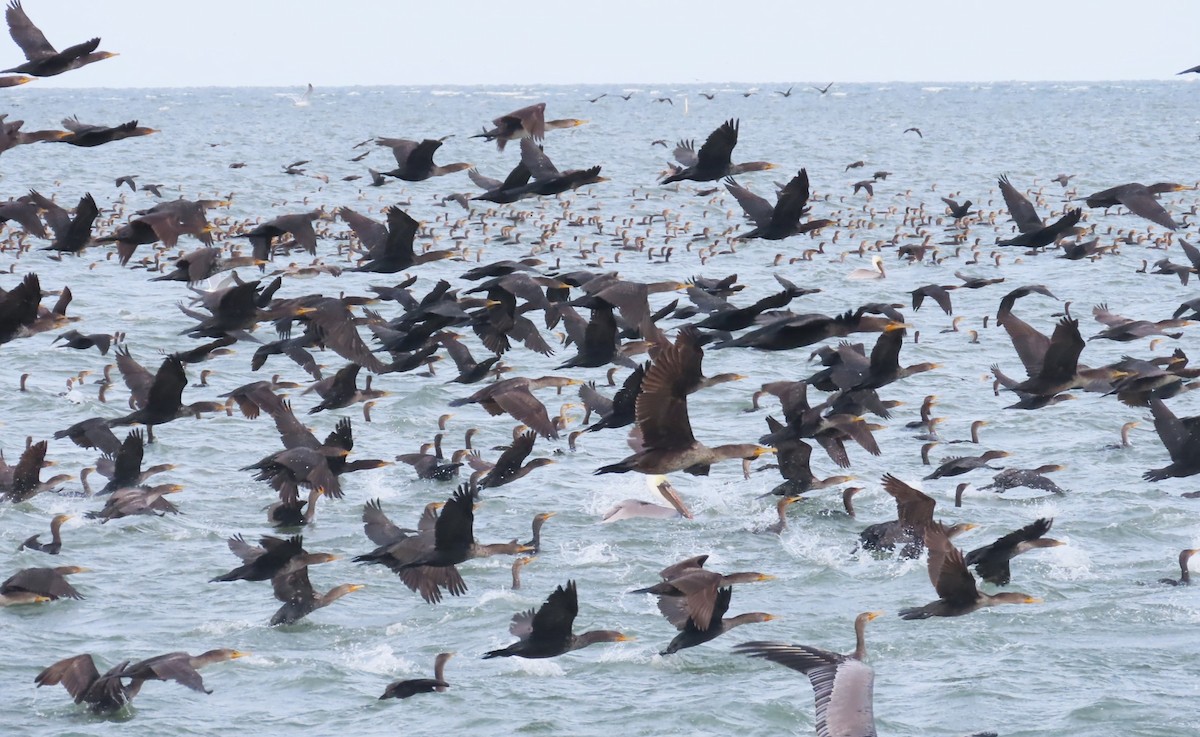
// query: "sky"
[[638, 42]]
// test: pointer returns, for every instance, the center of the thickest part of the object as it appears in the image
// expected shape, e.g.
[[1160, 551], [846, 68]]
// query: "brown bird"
[[955, 586]]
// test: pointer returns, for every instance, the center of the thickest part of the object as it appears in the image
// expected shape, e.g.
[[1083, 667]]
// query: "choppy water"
[[1104, 655]]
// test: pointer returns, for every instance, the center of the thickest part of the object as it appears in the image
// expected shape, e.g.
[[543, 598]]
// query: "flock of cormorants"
[[501, 302]]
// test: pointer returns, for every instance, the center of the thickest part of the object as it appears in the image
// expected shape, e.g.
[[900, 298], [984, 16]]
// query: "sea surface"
[[1109, 652]]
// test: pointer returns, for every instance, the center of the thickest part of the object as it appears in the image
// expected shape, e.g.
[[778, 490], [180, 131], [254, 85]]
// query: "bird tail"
[[916, 612], [622, 467], [1156, 474], [502, 653]]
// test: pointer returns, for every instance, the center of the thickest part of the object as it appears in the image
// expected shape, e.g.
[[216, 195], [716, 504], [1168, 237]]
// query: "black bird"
[[43, 59], [713, 162], [1140, 200], [414, 686], [991, 561], [78, 235], [87, 135], [274, 557], [782, 220], [956, 210], [1181, 440], [163, 399], [546, 632], [414, 159], [1047, 235]]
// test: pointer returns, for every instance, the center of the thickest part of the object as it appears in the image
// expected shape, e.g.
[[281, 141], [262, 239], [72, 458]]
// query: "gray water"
[[1108, 653]]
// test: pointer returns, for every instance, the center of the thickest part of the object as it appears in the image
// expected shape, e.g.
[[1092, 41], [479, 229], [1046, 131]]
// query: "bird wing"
[[531, 118], [947, 569], [370, 232], [401, 231], [553, 621], [28, 471], [1141, 202], [292, 432], [486, 183], [456, 522], [536, 161], [792, 201], [80, 231], [422, 155], [29, 37], [1106, 317], [1032, 531], [511, 459], [913, 507], [401, 148], [685, 153], [756, 208], [175, 667], [1181, 445], [716, 151], [293, 586], [1191, 252], [661, 409], [244, 550], [169, 382], [1019, 207], [1062, 357], [128, 461], [526, 409], [377, 526], [76, 674], [843, 687], [136, 377]]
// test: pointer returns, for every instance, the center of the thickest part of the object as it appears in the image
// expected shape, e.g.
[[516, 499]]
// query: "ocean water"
[[1109, 652]]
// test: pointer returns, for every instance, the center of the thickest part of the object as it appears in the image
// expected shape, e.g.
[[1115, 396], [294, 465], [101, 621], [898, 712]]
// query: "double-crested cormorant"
[[1181, 441], [515, 397], [26, 480], [957, 211], [414, 159], [43, 59], [690, 635], [955, 586], [662, 417], [78, 233], [1185, 576], [991, 561], [78, 674], [300, 599], [39, 584], [1140, 200], [274, 557], [131, 500], [527, 122], [180, 667], [414, 686], [843, 684], [55, 545], [546, 632], [426, 562], [88, 135], [1047, 235], [1013, 478], [959, 465], [508, 466], [774, 223], [914, 514], [698, 587], [389, 249], [712, 161]]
